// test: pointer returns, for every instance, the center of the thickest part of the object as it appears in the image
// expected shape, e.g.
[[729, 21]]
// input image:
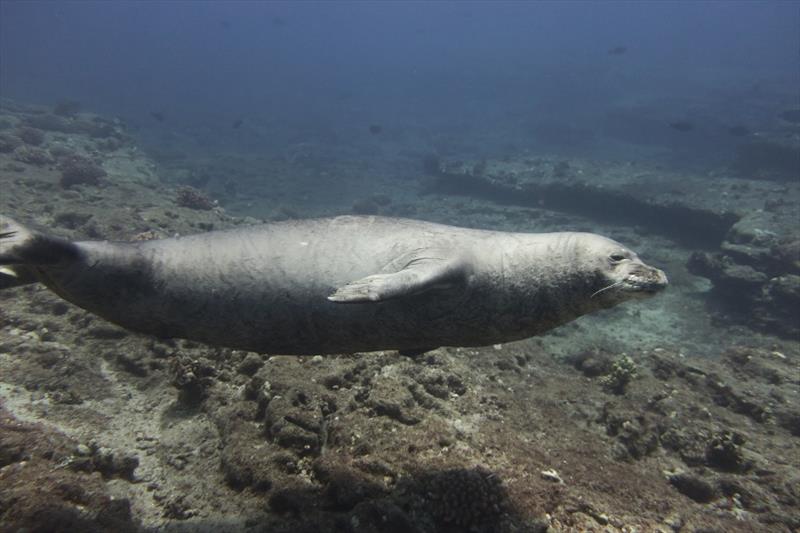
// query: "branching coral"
[[622, 372]]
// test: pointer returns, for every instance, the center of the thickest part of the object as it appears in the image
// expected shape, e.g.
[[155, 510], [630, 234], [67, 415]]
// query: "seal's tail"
[[22, 249]]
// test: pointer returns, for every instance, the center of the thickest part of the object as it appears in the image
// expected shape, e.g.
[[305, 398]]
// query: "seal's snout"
[[658, 281], [649, 279]]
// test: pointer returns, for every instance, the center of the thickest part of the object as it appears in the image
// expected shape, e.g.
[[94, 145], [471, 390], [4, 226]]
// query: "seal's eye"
[[617, 257]]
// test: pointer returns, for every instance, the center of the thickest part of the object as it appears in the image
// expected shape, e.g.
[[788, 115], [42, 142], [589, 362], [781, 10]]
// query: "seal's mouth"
[[650, 281], [641, 281]]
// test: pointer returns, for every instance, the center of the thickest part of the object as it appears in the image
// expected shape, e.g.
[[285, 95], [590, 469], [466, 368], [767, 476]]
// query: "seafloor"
[[679, 413]]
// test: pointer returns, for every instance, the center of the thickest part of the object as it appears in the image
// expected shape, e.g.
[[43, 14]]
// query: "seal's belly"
[[292, 315]]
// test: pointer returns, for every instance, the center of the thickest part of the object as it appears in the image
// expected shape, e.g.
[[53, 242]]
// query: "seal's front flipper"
[[423, 270]]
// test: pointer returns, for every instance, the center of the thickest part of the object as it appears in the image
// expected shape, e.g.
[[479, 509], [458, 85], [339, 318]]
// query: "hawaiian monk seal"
[[335, 285]]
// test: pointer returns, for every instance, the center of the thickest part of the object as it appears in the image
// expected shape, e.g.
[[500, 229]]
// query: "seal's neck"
[[548, 276]]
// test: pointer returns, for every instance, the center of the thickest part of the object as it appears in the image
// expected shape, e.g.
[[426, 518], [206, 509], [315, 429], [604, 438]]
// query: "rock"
[[741, 277], [192, 377], [112, 463], [394, 411], [592, 363], [131, 364], [250, 365], [756, 275], [724, 452], [83, 450], [292, 499], [382, 516], [107, 332], [467, 499], [71, 219], [789, 420], [345, 487], [551, 475], [242, 468], [636, 432], [693, 487], [743, 403], [194, 199], [294, 420]]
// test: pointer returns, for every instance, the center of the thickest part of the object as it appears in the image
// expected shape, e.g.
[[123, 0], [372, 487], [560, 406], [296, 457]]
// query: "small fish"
[[236, 123], [375, 129], [158, 115], [682, 125], [739, 131], [617, 50]]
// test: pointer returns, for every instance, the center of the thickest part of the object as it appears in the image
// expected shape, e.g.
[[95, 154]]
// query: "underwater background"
[[672, 127]]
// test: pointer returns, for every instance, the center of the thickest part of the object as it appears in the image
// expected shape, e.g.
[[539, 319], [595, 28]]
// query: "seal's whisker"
[[606, 288]]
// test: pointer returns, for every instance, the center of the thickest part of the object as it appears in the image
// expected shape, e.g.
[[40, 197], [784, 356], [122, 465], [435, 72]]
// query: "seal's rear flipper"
[[423, 271], [16, 275], [21, 248]]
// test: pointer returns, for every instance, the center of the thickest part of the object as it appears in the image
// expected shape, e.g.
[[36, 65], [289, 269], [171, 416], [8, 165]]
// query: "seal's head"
[[620, 275]]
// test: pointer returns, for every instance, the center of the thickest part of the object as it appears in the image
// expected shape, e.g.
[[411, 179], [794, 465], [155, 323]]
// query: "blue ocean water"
[[566, 75], [672, 127]]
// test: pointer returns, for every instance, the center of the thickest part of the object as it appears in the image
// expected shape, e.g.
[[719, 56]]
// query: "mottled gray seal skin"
[[336, 285]]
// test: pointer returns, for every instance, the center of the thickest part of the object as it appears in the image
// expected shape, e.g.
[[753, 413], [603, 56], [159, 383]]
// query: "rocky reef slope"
[[650, 417]]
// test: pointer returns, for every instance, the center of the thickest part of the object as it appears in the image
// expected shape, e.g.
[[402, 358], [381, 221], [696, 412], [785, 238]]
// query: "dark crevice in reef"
[[693, 227]]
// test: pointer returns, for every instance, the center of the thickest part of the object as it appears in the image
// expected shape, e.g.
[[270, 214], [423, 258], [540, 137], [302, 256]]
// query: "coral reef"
[[49, 122], [31, 136], [79, 170], [32, 156], [9, 142], [704, 439], [194, 199]]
